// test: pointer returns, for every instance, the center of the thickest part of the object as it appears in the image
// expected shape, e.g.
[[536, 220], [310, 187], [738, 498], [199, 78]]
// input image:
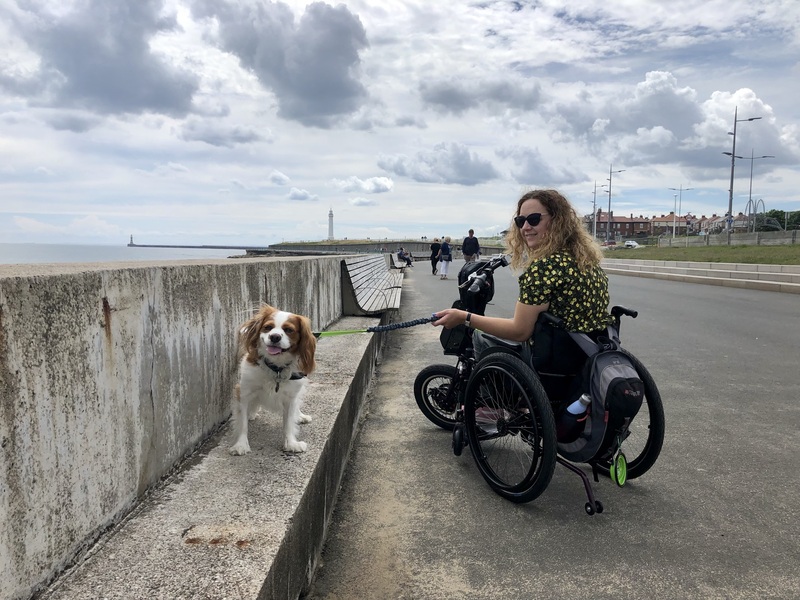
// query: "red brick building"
[[621, 227]]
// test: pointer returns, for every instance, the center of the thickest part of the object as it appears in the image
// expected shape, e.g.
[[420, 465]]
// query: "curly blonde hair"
[[566, 233]]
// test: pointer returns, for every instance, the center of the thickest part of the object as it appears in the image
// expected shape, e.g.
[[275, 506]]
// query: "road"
[[717, 516]]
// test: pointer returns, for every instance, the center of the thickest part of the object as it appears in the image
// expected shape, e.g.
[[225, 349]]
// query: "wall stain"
[[107, 319]]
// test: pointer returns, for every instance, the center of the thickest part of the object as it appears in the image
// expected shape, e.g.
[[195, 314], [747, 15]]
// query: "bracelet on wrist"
[[467, 319]]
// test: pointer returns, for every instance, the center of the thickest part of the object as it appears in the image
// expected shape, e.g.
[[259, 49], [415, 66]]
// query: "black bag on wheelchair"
[[456, 340], [616, 392], [474, 302]]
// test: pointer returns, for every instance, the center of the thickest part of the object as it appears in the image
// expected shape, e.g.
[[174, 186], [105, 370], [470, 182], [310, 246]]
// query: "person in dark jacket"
[[435, 247], [470, 248]]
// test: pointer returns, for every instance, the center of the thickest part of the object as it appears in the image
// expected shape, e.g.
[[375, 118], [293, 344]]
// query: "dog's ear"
[[307, 346], [248, 337]]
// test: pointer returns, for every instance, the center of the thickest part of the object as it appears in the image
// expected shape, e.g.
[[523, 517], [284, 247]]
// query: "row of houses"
[[641, 226]]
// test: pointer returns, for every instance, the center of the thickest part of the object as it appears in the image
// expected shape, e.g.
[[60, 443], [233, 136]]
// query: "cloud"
[[301, 195], [530, 168], [278, 178], [96, 55], [76, 123], [657, 101], [446, 163], [363, 202], [131, 109], [216, 134], [167, 169], [373, 185], [410, 121], [29, 225], [457, 96], [88, 226], [312, 66]]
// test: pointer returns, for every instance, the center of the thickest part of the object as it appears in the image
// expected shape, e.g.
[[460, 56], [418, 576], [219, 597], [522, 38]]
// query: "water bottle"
[[573, 420]]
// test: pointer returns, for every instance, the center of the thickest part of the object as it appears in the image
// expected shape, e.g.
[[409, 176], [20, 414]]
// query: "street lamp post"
[[594, 210], [752, 159], [732, 153], [610, 175], [674, 212], [680, 189]]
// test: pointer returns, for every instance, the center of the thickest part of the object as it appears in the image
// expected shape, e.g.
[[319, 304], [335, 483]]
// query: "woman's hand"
[[450, 317]]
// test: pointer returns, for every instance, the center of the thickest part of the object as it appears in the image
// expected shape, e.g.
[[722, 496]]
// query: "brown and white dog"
[[277, 353]]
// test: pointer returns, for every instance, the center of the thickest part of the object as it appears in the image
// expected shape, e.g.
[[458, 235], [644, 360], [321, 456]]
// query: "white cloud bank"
[[130, 117]]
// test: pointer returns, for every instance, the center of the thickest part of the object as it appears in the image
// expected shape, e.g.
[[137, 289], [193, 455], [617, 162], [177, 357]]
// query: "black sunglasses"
[[533, 219]]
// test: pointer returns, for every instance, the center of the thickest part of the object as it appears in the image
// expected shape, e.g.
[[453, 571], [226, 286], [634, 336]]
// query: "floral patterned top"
[[578, 297]]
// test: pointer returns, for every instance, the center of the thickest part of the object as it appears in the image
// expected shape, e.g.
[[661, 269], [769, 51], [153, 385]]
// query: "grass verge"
[[771, 255]]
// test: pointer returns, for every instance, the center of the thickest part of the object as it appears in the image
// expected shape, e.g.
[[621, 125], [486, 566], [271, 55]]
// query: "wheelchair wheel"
[[436, 400], [510, 427], [643, 445]]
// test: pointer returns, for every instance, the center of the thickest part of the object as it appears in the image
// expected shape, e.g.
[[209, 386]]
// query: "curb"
[[771, 278]]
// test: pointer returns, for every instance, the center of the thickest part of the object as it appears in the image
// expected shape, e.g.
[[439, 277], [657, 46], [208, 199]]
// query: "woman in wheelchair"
[[513, 411], [561, 274]]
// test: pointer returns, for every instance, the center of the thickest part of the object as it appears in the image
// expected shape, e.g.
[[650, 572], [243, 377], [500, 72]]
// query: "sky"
[[245, 122]]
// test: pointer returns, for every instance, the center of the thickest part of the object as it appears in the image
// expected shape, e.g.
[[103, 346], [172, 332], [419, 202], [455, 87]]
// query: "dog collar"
[[279, 370]]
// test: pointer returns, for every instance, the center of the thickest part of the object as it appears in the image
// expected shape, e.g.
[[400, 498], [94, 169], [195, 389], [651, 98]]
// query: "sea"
[[14, 254]]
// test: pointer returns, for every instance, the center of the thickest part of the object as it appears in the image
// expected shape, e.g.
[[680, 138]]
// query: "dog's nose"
[[275, 337]]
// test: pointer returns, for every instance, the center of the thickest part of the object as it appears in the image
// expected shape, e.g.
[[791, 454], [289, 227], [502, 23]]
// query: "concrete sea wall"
[[109, 376]]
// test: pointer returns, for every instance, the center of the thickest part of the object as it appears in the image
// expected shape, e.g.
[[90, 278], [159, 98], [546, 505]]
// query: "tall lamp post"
[[733, 166], [610, 175], [594, 210], [679, 197], [751, 158]]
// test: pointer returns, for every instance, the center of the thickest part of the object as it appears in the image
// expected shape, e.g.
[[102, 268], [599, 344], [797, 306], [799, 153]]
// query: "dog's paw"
[[295, 446], [303, 418], [239, 449]]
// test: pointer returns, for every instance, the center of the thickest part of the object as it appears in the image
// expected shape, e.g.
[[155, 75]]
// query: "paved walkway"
[[716, 518]]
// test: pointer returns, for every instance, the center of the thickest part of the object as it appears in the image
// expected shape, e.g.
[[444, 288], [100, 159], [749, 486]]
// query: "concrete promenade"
[[715, 519]]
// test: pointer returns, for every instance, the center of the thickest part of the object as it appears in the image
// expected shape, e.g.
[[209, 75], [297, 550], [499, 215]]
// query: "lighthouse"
[[330, 224]]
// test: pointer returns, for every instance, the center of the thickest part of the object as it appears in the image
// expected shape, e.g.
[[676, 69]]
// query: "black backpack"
[[616, 392]]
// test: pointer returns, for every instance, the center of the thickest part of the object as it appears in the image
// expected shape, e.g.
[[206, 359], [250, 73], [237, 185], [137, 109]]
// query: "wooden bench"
[[397, 263], [369, 287]]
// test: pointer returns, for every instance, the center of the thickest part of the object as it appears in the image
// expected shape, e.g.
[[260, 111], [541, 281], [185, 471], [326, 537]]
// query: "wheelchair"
[[504, 408]]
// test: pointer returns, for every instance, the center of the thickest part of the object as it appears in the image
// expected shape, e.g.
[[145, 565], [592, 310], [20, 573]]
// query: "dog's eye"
[[289, 329]]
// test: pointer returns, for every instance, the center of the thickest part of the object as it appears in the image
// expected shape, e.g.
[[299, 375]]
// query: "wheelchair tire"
[[510, 427], [432, 393], [646, 438]]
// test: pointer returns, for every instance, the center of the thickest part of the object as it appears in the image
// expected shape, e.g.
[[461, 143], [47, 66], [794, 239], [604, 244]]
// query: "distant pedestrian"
[[446, 256], [470, 248], [435, 247], [403, 255]]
